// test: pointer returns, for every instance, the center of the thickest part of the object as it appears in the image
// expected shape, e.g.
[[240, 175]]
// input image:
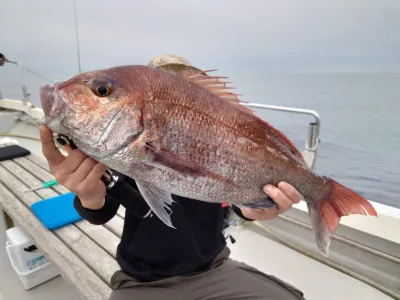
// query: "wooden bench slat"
[[39, 173], [115, 225], [71, 267], [121, 212], [39, 161], [42, 163], [104, 264], [100, 235]]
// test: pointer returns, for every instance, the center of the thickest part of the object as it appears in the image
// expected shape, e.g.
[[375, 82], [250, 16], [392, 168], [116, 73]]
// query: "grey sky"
[[267, 36]]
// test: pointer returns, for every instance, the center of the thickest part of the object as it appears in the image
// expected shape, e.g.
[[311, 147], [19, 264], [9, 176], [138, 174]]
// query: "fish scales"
[[175, 131]]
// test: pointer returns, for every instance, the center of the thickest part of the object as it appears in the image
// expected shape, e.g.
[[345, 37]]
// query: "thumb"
[[49, 149]]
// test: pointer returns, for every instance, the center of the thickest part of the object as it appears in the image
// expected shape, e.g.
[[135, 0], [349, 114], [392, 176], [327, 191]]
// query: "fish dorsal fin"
[[286, 140], [217, 86]]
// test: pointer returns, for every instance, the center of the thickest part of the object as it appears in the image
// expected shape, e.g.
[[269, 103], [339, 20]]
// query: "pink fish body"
[[179, 131]]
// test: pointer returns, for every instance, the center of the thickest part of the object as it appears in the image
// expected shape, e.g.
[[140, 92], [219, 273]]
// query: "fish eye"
[[103, 90]]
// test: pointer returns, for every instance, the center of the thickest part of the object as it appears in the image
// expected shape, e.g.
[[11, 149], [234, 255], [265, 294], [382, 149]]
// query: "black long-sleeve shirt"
[[149, 250]]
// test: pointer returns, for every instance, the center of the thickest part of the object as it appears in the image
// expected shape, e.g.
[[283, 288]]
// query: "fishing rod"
[[4, 60]]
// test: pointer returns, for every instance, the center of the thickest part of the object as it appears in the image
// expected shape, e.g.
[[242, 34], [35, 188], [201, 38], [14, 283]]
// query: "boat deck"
[[85, 253]]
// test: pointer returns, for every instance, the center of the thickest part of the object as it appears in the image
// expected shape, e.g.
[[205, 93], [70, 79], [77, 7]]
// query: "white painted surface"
[[316, 280], [386, 225], [11, 288]]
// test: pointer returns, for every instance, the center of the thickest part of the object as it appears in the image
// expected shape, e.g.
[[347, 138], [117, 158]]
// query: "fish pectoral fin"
[[169, 161], [158, 200]]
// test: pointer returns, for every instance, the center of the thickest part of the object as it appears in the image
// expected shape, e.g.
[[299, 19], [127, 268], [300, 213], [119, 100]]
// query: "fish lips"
[[52, 103]]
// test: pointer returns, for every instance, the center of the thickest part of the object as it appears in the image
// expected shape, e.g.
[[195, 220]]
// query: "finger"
[[68, 149], [283, 202], [49, 149], [83, 170], [94, 175], [290, 192], [73, 161]]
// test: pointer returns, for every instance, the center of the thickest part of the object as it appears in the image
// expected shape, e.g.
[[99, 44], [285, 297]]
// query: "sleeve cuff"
[[99, 216]]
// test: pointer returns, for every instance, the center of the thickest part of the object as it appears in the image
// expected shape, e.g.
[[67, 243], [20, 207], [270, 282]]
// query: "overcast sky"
[[271, 36]]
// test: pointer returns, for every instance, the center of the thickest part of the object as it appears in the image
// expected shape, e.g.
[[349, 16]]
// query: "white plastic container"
[[29, 262]]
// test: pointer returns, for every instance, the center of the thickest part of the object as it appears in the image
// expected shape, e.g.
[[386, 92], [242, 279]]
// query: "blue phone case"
[[56, 212]]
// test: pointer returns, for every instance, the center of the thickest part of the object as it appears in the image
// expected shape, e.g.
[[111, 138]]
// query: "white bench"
[[84, 253]]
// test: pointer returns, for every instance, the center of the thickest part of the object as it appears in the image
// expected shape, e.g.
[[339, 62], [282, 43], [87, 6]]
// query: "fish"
[[179, 130]]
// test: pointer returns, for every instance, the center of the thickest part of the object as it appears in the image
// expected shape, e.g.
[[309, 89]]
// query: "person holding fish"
[[175, 158]]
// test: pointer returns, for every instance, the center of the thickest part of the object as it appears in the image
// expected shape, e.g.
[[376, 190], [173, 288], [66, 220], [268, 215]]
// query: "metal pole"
[[312, 136], [312, 141], [24, 88], [77, 38]]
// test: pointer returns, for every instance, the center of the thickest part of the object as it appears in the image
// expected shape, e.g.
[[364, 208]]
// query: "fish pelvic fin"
[[158, 201], [325, 215]]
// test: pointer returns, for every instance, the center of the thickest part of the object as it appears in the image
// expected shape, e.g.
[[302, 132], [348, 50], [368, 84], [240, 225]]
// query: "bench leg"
[[6, 219]]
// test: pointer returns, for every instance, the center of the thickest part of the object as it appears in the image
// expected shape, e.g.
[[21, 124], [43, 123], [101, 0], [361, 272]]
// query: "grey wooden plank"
[[121, 212], [39, 173], [70, 265], [100, 234], [38, 160], [42, 163], [115, 224], [93, 255]]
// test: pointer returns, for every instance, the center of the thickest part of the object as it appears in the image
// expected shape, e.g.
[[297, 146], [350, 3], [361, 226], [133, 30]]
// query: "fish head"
[[98, 110]]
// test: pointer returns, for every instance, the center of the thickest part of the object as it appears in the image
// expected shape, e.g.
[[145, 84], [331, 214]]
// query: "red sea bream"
[[184, 133]]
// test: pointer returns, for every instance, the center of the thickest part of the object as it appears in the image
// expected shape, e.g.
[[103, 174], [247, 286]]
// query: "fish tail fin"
[[326, 214]]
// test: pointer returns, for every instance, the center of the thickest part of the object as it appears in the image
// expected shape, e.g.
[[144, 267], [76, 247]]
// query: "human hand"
[[285, 195], [77, 172]]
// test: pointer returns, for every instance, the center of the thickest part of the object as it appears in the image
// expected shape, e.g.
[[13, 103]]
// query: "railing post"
[[312, 141], [26, 94], [310, 153]]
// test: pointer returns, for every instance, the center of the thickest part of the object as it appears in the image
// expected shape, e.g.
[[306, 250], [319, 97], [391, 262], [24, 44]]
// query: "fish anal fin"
[[263, 204], [158, 201], [325, 216], [322, 234]]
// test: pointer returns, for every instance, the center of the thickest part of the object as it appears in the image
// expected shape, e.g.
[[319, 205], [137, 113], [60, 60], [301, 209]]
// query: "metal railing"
[[26, 94], [24, 87]]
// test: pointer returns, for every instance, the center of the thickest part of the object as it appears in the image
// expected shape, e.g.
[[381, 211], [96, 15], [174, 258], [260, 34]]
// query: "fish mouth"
[[52, 103]]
